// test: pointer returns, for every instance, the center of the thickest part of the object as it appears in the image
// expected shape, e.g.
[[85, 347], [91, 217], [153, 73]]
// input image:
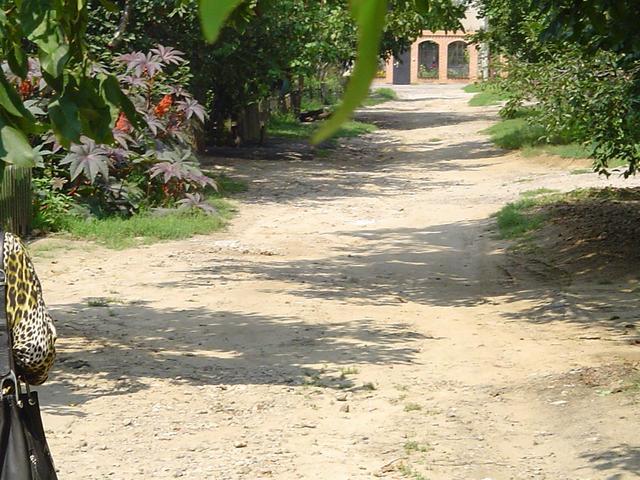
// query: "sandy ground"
[[357, 320]]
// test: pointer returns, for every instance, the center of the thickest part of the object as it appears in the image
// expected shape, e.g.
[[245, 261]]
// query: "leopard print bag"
[[31, 326]]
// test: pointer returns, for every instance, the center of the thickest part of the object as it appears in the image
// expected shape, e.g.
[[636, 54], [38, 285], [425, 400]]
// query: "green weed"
[[100, 301], [355, 129], [521, 133], [516, 219], [537, 192], [473, 88], [409, 472], [515, 133], [486, 94], [413, 446], [570, 150], [412, 407], [229, 186], [524, 215]]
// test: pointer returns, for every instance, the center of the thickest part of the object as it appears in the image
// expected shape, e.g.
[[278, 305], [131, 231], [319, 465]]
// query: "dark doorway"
[[402, 69]]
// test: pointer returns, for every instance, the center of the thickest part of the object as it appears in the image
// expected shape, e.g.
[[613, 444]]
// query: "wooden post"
[[16, 199]]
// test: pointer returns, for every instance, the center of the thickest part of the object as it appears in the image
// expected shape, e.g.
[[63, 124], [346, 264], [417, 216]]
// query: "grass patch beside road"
[[521, 133], [145, 228], [288, 126], [380, 95], [484, 99], [486, 94], [517, 219], [148, 226]]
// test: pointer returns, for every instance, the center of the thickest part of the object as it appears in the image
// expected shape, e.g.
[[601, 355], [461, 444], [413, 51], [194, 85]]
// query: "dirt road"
[[357, 320]]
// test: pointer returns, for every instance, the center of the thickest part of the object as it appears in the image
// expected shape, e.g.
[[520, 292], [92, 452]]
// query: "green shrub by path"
[[516, 219], [145, 228], [521, 133]]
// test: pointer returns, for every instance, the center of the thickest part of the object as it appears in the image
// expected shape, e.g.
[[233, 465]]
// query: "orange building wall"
[[443, 39]]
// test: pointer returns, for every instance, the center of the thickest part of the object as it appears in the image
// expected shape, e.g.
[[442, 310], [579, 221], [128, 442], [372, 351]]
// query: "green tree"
[[80, 103], [578, 61]]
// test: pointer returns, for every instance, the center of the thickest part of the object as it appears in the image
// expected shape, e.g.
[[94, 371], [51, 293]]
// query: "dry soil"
[[358, 319]]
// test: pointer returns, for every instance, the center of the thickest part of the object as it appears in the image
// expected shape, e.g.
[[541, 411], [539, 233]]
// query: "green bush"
[[584, 99]]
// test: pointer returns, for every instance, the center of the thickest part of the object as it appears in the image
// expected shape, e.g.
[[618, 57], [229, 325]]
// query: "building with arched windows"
[[440, 57]]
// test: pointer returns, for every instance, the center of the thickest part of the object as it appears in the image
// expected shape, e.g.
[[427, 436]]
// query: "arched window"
[[457, 60], [428, 59]]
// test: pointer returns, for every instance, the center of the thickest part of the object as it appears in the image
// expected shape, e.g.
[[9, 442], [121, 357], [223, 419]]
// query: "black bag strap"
[[7, 368]]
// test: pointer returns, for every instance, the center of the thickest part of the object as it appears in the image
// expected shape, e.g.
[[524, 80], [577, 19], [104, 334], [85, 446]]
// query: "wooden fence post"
[[16, 199]]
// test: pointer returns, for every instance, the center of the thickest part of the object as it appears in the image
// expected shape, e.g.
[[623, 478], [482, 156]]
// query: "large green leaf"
[[370, 17], [65, 116], [95, 113], [41, 25], [17, 60], [14, 146], [10, 101], [116, 98], [213, 14], [53, 60]]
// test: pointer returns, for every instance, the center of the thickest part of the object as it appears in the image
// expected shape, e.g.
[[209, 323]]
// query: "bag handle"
[[7, 367]]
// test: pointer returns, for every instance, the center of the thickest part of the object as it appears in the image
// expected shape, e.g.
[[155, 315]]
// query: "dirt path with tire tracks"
[[357, 320]]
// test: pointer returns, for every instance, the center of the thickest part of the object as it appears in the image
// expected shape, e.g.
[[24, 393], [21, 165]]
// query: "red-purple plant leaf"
[[191, 108], [168, 170], [168, 55], [195, 201], [87, 158], [141, 64]]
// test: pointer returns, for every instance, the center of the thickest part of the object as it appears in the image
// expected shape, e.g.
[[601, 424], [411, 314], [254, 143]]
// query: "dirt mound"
[[596, 238]]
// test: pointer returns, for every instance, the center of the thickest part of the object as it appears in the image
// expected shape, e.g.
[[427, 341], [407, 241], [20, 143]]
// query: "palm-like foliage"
[[88, 159]]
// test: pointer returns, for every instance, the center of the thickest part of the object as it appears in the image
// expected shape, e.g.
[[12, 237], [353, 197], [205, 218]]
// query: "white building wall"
[[472, 23]]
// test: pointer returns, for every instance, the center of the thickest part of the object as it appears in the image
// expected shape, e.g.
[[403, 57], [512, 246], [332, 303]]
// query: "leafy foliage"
[[148, 165], [79, 103], [273, 47], [579, 63]]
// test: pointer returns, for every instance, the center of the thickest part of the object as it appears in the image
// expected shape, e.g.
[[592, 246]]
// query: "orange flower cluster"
[[122, 123], [26, 88], [164, 105]]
